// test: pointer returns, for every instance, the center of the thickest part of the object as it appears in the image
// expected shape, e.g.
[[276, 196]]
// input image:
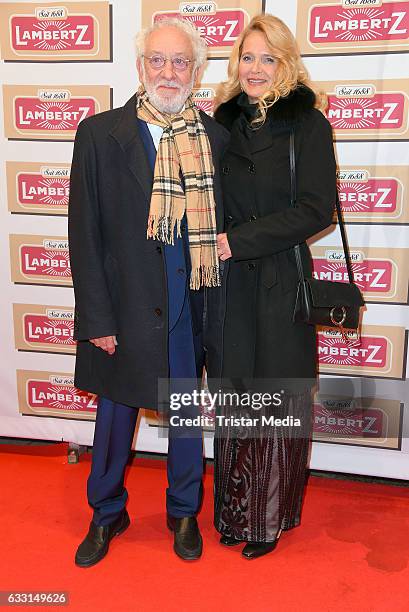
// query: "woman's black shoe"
[[252, 550], [229, 541]]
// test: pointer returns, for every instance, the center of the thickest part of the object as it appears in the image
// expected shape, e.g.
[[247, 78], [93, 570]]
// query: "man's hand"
[[223, 248], [106, 343]]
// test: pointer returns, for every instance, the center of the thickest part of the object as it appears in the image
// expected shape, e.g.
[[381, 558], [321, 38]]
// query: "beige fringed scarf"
[[184, 146]]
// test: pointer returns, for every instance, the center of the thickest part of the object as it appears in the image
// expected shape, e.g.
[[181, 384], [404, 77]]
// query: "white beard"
[[172, 104]]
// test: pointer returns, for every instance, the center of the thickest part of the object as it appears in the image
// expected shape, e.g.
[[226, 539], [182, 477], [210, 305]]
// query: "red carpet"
[[350, 553]]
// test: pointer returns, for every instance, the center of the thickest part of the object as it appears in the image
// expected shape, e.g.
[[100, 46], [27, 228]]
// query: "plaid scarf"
[[184, 148]]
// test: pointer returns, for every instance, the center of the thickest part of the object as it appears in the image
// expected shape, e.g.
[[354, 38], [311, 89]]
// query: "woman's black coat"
[[253, 334]]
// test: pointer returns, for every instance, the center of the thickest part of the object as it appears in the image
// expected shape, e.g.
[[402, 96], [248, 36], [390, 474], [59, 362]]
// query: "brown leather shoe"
[[188, 543], [96, 543]]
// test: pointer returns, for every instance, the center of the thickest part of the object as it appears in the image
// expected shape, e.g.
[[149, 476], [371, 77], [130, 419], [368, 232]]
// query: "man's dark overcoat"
[[119, 276]]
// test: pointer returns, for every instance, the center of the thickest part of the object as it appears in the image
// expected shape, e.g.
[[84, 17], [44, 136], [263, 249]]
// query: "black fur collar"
[[288, 110]]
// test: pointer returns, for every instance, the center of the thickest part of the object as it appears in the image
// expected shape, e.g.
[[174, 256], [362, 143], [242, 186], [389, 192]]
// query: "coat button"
[[183, 228], [229, 218], [225, 169], [159, 249], [253, 218], [158, 311], [252, 168], [251, 266]]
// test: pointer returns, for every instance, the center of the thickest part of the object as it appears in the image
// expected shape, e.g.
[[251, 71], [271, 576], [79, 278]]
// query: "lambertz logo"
[[374, 194], [40, 260], [352, 25], [52, 110], [50, 113], [334, 419], [378, 351], [30, 33], [366, 111], [56, 33], [44, 328], [361, 352], [45, 261], [381, 274], [358, 421], [38, 188], [219, 29], [219, 23], [53, 394]]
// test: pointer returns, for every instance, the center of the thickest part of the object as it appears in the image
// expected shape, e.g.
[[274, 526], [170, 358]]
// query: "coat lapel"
[[127, 135]]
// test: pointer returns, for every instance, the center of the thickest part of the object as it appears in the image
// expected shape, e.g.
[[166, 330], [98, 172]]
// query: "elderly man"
[[142, 228]]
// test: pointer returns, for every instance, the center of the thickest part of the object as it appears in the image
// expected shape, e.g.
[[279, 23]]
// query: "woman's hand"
[[223, 247]]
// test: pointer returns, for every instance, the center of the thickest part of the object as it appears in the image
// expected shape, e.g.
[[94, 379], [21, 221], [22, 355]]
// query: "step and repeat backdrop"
[[62, 62]]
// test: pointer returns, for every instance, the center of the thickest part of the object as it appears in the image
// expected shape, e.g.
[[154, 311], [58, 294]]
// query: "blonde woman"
[[260, 468]]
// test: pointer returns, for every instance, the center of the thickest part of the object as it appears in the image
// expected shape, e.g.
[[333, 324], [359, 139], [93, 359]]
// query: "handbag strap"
[[339, 216]]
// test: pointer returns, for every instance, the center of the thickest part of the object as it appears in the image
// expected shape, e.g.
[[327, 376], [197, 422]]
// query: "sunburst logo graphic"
[[205, 105], [347, 120], [338, 269], [56, 339], [375, 195], [53, 184], [60, 397], [70, 392], [341, 418], [359, 205], [53, 108], [50, 262], [34, 189], [48, 45], [362, 33], [340, 357], [364, 25], [357, 422], [370, 275], [57, 255], [365, 351], [50, 35], [41, 329], [52, 112]]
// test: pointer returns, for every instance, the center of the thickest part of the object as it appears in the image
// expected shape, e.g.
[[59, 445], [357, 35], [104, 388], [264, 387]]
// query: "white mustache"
[[167, 83]]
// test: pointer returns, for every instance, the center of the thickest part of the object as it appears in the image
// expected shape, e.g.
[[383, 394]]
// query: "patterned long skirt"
[[260, 472]]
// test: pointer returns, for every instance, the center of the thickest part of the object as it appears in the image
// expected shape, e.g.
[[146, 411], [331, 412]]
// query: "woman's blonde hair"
[[290, 69]]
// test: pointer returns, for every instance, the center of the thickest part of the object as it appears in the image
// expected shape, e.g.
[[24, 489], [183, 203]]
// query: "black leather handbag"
[[319, 302]]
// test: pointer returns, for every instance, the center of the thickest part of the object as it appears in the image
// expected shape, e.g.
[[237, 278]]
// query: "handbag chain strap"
[[339, 215]]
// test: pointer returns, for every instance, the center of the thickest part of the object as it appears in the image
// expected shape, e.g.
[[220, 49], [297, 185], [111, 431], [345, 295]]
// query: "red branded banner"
[[219, 23], [43, 328], [373, 422], [40, 260], [381, 274], [38, 188], [53, 394], [352, 26], [51, 113], [373, 110], [46, 32], [378, 351]]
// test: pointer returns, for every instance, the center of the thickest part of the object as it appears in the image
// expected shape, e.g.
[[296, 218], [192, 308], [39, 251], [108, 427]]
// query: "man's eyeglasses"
[[157, 62]]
